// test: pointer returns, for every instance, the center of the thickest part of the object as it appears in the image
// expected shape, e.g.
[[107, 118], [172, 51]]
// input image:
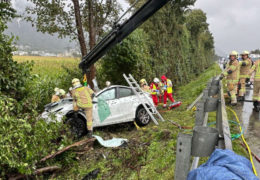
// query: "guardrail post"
[[183, 155]]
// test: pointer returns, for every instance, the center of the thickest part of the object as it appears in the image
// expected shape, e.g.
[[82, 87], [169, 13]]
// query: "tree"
[[6, 11], [13, 76], [72, 18], [131, 56], [180, 43], [257, 51], [196, 22]]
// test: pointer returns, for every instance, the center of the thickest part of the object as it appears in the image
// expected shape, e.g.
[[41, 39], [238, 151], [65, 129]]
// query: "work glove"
[[164, 87], [243, 63], [75, 114], [229, 71]]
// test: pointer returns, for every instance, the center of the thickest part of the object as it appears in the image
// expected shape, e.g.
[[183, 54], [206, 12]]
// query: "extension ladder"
[[148, 105]]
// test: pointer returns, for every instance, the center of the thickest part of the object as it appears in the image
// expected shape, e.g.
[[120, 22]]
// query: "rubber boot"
[[255, 105], [90, 134]]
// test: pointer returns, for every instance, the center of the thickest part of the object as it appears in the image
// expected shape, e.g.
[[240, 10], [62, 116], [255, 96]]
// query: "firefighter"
[[232, 74], [55, 97], [108, 83], [256, 96], [62, 93], [82, 99], [167, 90], [154, 90], [144, 86], [245, 66]]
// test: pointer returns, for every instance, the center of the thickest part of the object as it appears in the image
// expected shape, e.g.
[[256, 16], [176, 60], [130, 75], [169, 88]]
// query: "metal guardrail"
[[204, 139]]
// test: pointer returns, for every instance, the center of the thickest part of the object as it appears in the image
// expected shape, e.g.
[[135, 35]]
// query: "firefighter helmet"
[[75, 82], [245, 53], [62, 92], [234, 53], [156, 80]]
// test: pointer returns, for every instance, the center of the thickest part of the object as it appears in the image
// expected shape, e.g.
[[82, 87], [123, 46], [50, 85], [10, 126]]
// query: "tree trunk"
[[81, 38], [92, 41]]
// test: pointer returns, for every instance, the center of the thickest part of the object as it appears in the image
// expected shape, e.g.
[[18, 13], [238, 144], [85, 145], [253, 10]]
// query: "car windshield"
[[108, 94]]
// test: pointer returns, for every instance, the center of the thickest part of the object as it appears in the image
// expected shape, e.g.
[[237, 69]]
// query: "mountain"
[[28, 36]]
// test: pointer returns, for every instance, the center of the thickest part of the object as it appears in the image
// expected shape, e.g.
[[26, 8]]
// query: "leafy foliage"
[[13, 76], [57, 16], [21, 138], [130, 56], [6, 11]]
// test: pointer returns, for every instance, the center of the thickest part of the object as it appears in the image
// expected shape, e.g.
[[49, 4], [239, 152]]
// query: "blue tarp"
[[224, 165]]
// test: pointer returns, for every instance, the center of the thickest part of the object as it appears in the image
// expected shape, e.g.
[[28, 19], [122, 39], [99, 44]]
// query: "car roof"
[[113, 86]]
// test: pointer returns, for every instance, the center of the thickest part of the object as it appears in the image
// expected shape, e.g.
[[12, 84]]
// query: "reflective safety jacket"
[[146, 88], [256, 68], [82, 97], [55, 98], [234, 68], [153, 88], [244, 70], [169, 86]]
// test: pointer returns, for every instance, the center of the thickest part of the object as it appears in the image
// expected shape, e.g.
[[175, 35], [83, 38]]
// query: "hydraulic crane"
[[121, 31]]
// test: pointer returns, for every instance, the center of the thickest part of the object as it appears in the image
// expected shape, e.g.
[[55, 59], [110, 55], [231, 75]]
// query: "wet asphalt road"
[[250, 121]]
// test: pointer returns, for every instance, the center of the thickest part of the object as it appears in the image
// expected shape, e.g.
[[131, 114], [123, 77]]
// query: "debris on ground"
[[79, 143], [92, 175], [115, 142]]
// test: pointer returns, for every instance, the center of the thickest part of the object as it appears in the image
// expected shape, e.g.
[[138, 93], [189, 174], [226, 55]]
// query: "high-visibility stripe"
[[232, 81], [153, 90], [169, 88]]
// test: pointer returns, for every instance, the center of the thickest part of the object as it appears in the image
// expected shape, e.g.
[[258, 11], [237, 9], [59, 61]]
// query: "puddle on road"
[[250, 121]]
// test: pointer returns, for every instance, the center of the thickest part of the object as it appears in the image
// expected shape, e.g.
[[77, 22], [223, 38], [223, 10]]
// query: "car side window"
[[108, 95], [125, 92]]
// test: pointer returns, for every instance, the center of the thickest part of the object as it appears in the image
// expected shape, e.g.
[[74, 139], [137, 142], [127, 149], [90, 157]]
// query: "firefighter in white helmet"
[[82, 99], [108, 83], [154, 86]]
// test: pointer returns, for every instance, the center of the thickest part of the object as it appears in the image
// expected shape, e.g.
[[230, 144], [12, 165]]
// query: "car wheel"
[[142, 117], [77, 127]]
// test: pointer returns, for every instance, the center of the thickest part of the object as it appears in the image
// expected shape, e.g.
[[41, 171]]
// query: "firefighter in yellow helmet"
[[62, 93], [245, 66], [256, 96], [56, 97], [82, 99], [232, 75], [144, 86]]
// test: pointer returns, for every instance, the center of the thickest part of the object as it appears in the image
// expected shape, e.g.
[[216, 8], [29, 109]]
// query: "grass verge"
[[150, 153]]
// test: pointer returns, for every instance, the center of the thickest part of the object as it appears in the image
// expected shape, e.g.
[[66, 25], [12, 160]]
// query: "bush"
[[13, 76], [24, 141]]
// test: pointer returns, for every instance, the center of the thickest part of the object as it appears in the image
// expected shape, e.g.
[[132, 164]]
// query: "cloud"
[[234, 23]]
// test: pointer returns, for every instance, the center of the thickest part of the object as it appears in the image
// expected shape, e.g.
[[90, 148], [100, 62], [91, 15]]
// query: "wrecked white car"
[[113, 105]]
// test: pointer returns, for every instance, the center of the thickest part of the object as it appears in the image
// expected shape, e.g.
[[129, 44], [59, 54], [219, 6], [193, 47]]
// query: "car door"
[[126, 101], [110, 97]]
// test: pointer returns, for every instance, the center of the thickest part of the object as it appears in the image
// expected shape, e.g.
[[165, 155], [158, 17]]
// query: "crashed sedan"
[[113, 105]]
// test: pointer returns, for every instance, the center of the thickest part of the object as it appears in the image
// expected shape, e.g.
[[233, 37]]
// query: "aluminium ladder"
[[148, 105]]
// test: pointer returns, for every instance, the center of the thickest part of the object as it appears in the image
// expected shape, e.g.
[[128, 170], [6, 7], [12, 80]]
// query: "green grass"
[[50, 66], [151, 152]]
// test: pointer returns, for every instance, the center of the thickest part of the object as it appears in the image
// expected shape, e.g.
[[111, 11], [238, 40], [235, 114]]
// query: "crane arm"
[[120, 32]]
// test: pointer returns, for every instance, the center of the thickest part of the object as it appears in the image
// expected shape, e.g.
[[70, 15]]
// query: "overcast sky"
[[235, 24]]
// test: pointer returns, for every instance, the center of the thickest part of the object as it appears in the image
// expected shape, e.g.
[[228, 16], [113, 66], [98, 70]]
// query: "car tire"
[[77, 127], [142, 117]]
